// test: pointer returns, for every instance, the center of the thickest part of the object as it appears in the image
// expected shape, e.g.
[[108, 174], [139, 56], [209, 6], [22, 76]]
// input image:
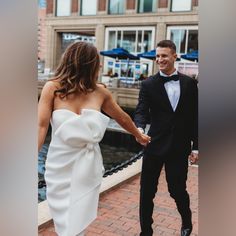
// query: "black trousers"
[[176, 168]]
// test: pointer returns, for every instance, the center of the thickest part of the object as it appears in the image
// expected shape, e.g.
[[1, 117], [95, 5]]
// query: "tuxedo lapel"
[[162, 92], [183, 87]]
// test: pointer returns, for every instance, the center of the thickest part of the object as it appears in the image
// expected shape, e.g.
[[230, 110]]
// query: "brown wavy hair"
[[78, 69]]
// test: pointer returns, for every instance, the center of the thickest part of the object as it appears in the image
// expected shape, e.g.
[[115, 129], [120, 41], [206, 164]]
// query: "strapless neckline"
[[83, 109]]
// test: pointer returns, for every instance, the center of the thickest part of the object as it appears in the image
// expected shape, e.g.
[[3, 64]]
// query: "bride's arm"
[[45, 107], [111, 108]]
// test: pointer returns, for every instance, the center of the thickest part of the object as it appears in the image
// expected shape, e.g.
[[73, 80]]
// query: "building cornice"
[[127, 20]]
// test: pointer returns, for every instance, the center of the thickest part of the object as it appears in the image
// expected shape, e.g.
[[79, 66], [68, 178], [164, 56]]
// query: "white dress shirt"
[[172, 89]]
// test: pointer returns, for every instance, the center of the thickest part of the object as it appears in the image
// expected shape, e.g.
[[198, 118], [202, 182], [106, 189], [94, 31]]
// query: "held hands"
[[193, 158], [143, 139]]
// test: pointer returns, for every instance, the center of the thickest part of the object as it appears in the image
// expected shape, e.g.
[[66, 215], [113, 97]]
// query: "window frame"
[[181, 27], [122, 29], [143, 62]]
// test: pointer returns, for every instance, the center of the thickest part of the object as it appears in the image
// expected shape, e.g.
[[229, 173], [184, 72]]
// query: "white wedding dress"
[[74, 169]]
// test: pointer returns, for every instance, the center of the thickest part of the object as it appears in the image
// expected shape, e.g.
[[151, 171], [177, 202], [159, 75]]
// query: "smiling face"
[[165, 58]]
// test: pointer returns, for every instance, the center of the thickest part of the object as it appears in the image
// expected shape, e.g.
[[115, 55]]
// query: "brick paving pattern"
[[119, 208]]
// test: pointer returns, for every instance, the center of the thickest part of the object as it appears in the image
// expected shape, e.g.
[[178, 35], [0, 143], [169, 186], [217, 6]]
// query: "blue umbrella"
[[148, 55], [119, 53], [192, 56], [151, 55]]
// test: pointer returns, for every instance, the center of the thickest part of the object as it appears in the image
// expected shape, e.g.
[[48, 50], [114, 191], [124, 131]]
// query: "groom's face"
[[165, 58]]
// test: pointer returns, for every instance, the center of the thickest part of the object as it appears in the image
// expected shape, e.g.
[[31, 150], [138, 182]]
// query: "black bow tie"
[[169, 78]]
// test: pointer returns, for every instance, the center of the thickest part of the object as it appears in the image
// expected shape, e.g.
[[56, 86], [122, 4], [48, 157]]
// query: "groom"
[[169, 100]]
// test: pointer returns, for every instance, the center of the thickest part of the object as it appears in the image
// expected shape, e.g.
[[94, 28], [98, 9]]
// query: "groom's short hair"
[[167, 44]]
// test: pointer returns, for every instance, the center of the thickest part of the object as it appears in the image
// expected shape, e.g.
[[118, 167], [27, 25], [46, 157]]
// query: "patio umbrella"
[[151, 55], [119, 53], [148, 55], [192, 56]]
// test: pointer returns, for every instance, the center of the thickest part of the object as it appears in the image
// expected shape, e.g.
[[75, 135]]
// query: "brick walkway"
[[118, 210]]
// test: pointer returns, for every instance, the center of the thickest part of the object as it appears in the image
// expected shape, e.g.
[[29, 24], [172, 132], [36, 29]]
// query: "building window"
[[88, 7], [68, 38], [184, 37], [181, 5], [129, 40], [147, 6], [112, 40], [147, 37], [116, 6], [63, 7], [135, 40]]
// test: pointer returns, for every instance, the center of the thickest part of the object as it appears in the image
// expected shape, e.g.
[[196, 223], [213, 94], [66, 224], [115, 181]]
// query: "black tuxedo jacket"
[[170, 131]]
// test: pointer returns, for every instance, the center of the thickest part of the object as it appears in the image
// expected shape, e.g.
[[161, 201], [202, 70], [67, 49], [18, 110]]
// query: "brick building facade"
[[136, 25]]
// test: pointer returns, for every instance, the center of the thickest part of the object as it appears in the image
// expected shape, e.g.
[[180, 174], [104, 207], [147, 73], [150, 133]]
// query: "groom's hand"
[[193, 157], [144, 139]]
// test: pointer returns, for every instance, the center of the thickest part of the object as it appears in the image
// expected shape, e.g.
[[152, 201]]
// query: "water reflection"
[[113, 156]]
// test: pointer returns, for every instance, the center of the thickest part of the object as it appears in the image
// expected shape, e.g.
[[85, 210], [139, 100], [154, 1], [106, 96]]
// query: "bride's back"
[[77, 101]]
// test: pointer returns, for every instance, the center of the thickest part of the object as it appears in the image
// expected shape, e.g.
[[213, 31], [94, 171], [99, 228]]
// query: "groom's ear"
[[175, 56]]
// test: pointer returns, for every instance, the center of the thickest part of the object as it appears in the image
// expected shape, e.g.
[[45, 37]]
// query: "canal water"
[[116, 146]]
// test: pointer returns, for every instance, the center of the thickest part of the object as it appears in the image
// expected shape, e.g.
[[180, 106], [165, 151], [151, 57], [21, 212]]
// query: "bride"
[[72, 101]]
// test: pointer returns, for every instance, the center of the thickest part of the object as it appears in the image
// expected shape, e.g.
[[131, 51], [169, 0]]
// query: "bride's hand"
[[143, 139]]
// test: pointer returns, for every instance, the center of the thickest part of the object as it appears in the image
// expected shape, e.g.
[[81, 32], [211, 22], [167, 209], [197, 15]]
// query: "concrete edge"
[[108, 183]]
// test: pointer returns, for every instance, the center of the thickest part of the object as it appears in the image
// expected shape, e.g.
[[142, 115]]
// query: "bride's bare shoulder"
[[101, 88], [101, 85], [50, 86], [53, 84]]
